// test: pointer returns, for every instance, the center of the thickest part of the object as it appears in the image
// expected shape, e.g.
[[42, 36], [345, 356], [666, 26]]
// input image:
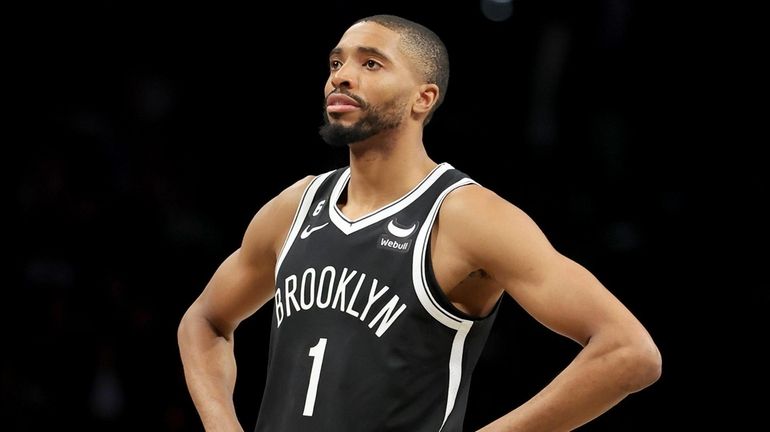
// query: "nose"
[[343, 77]]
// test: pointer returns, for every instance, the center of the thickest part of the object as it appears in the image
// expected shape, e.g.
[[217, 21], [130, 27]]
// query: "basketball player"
[[386, 275]]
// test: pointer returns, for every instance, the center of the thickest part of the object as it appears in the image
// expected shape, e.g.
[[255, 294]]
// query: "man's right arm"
[[242, 284]]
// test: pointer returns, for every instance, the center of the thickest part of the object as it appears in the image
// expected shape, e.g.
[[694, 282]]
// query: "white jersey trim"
[[348, 226], [299, 216], [455, 368], [461, 325], [419, 279]]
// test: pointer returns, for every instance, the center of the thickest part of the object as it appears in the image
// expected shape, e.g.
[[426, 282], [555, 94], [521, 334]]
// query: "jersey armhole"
[[441, 297]]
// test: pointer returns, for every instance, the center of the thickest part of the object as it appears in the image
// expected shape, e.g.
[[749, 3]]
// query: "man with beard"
[[386, 275]]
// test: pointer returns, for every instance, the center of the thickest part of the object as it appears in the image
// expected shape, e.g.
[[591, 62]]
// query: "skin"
[[501, 251]]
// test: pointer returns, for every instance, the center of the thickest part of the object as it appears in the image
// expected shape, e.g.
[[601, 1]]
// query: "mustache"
[[362, 103]]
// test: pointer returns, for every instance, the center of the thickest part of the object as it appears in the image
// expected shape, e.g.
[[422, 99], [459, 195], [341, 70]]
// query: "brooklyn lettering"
[[347, 291]]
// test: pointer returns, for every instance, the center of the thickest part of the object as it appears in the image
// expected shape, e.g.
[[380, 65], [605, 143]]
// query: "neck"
[[383, 169]]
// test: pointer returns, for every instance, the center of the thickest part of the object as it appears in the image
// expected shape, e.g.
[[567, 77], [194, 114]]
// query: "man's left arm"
[[618, 356]]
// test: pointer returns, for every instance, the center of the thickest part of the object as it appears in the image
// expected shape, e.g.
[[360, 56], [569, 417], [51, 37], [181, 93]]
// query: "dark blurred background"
[[148, 134]]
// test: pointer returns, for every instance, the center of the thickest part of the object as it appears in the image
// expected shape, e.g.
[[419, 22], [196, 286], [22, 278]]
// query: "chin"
[[343, 119]]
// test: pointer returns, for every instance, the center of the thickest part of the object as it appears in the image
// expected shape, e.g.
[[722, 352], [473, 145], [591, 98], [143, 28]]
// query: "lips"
[[338, 102]]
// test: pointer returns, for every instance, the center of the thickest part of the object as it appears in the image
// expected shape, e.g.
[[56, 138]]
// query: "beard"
[[375, 120]]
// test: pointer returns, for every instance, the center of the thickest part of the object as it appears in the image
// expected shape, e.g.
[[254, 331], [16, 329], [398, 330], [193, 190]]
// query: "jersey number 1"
[[317, 352]]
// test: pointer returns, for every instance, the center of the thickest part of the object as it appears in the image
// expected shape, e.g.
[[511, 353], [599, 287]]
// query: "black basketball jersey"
[[362, 337]]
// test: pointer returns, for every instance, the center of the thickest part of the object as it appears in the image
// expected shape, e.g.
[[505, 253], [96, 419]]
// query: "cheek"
[[400, 96]]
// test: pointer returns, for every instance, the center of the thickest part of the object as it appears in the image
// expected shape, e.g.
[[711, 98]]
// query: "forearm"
[[596, 380], [210, 372]]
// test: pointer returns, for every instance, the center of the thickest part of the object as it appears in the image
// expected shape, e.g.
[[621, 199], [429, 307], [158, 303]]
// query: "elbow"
[[643, 365], [189, 325], [183, 328], [196, 323]]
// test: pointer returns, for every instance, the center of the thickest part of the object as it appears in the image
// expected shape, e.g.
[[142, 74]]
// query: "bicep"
[[567, 298], [237, 289], [557, 291], [245, 280]]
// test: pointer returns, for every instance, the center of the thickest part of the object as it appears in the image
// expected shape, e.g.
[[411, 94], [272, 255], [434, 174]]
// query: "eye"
[[334, 64], [373, 65]]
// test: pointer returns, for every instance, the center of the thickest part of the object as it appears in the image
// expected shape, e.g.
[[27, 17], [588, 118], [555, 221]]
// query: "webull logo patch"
[[396, 237], [394, 244]]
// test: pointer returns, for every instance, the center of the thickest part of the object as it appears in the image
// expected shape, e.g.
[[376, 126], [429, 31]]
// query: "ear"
[[427, 97]]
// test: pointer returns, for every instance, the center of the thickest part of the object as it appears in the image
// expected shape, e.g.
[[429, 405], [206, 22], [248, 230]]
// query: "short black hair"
[[424, 47]]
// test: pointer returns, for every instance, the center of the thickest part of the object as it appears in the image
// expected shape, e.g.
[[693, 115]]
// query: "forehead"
[[371, 35]]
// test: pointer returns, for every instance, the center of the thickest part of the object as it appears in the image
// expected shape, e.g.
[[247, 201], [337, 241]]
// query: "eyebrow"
[[363, 50]]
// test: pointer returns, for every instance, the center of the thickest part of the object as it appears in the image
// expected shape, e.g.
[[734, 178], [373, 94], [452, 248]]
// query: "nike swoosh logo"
[[307, 231], [400, 232]]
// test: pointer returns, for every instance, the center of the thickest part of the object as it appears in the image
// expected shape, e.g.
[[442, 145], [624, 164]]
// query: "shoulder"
[[287, 200], [272, 221], [483, 226], [292, 194], [473, 202]]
